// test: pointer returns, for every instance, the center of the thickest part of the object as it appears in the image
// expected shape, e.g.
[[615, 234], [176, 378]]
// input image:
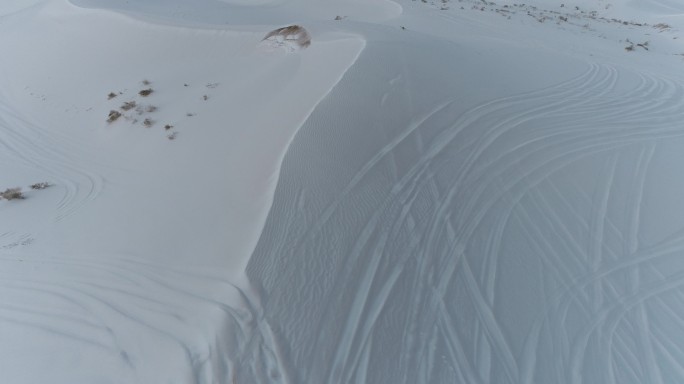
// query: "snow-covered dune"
[[341, 191], [125, 268]]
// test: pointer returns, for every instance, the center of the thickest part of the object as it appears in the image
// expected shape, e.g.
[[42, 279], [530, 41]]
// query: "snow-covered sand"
[[442, 192], [122, 270]]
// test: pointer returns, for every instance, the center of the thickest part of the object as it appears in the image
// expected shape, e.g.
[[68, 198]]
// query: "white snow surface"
[[430, 192]]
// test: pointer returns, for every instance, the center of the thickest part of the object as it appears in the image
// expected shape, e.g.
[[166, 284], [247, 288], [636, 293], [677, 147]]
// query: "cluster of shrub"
[[17, 194], [127, 106]]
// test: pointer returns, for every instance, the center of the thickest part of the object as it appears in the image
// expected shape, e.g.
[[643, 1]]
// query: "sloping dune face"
[[525, 239], [499, 216]]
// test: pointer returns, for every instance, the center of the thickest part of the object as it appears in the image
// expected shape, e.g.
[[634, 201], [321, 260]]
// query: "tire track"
[[447, 137], [413, 187], [427, 252], [48, 152], [631, 245], [117, 298], [421, 230], [587, 282], [650, 108], [474, 157], [613, 315], [607, 349]]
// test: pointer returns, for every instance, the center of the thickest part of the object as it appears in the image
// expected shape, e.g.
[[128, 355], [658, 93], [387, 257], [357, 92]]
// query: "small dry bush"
[[113, 116], [127, 106], [293, 33], [148, 123], [12, 194], [145, 92], [111, 95], [632, 46], [42, 185]]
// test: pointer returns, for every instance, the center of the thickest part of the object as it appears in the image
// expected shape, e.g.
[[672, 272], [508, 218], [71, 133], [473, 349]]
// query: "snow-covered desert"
[[341, 191]]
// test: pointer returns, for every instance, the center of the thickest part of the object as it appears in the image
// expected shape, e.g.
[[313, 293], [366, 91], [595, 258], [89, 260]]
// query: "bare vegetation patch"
[[137, 112], [632, 46], [127, 106], [570, 17], [12, 194], [295, 35], [38, 186], [113, 116]]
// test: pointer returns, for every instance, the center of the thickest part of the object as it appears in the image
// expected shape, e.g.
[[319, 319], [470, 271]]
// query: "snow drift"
[[428, 193]]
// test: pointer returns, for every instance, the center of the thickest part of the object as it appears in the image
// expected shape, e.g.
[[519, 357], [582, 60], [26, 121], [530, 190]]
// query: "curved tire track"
[[404, 256], [47, 151]]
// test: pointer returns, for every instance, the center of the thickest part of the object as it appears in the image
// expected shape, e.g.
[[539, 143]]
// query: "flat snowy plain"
[[430, 192]]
